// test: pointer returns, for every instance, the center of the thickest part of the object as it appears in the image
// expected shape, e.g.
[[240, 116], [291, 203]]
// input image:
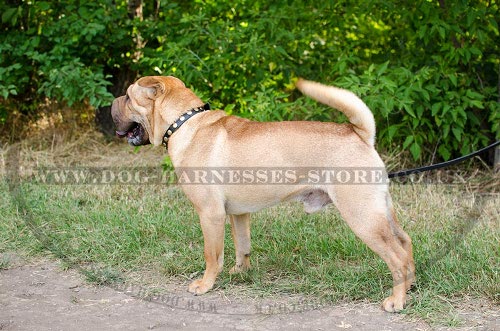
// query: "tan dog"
[[214, 140]]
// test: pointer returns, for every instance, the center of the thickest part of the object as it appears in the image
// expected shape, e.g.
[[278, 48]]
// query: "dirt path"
[[40, 296]]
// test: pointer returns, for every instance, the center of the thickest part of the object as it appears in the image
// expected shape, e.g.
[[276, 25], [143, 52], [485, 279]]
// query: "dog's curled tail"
[[347, 102]]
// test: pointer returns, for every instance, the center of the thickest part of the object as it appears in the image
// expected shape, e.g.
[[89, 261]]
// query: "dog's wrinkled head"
[[149, 107]]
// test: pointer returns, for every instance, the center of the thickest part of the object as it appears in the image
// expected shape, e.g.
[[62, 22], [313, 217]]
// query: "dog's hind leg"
[[404, 240], [212, 225], [240, 230], [367, 216]]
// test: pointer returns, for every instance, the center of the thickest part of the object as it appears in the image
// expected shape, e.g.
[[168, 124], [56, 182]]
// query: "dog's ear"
[[155, 86]]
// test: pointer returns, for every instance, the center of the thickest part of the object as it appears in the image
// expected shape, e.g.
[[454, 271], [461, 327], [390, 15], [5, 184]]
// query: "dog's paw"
[[198, 287], [239, 269], [393, 304]]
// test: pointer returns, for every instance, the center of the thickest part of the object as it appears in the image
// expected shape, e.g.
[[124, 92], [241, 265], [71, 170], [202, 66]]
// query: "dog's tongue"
[[121, 134]]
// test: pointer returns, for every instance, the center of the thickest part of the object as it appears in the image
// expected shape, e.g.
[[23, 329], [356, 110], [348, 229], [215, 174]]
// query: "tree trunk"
[[122, 78], [134, 9]]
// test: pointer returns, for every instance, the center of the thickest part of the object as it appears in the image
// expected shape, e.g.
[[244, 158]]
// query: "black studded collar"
[[181, 120]]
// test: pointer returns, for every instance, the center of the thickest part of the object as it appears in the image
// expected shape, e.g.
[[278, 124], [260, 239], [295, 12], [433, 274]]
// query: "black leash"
[[407, 172]]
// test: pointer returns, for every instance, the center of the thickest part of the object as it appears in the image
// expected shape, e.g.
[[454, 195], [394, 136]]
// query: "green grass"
[[112, 232], [4, 262]]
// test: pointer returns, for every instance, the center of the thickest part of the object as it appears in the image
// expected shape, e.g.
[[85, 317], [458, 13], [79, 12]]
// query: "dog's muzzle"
[[125, 128]]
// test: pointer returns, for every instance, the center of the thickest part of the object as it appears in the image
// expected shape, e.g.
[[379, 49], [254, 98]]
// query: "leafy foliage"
[[428, 69]]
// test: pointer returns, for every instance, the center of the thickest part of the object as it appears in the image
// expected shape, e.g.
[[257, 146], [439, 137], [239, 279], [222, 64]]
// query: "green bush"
[[429, 70]]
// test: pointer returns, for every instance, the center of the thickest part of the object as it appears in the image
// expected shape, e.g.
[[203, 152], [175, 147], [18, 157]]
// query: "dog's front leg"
[[212, 225]]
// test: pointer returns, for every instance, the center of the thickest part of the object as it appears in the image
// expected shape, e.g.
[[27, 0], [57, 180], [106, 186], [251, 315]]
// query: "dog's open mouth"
[[136, 135]]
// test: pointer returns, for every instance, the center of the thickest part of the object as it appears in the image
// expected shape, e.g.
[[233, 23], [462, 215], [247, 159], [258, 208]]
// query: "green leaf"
[[446, 108], [426, 95], [477, 103], [446, 130], [415, 150], [422, 31], [382, 68], [9, 15], [435, 108], [475, 51], [444, 152], [457, 132], [420, 111], [43, 5], [453, 79], [493, 23], [408, 141], [409, 110], [438, 121], [442, 32], [391, 131], [473, 94]]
